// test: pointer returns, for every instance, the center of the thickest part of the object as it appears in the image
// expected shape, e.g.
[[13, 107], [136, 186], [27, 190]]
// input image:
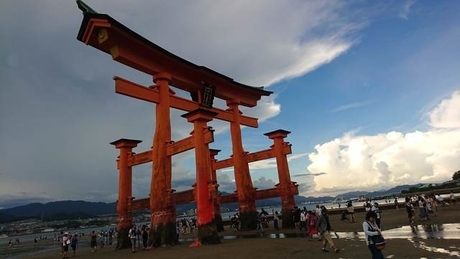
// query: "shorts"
[[66, 248]]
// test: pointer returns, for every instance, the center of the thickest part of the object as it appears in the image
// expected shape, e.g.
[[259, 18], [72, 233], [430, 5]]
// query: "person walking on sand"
[[276, 220], [73, 243], [93, 241], [370, 228], [324, 227], [65, 245], [410, 210], [311, 225], [375, 208], [351, 212], [132, 236]]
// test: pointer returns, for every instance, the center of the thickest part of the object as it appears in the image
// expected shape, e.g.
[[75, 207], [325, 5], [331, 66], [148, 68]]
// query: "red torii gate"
[[125, 46]]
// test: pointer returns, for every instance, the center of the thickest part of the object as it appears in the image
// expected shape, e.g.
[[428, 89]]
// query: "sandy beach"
[[293, 244]]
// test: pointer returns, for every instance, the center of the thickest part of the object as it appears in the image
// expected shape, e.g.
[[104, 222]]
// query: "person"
[[318, 211], [145, 237], [303, 220], [235, 224], [410, 210], [370, 228], [276, 219], [311, 225], [375, 208], [132, 236], [422, 209], [351, 212], [296, 217], [259, 225], [73, 243], [324, 227], [396, 203], [65, 245], [93, 241]]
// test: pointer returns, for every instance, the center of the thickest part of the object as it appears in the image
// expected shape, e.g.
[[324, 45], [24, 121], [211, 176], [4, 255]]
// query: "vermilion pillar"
[[205, 189], [163, 210], [124, 217], [216, 202], [286, 186], [244, 188]]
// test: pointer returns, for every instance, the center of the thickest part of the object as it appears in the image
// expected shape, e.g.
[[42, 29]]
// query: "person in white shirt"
[[371, 229], [375, 208], [132, 237]]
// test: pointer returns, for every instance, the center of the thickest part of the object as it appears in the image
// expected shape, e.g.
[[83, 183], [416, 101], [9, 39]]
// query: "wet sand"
[[250, 244]]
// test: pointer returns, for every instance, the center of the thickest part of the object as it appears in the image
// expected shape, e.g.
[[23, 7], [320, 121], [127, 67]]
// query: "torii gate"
[[125, 46]]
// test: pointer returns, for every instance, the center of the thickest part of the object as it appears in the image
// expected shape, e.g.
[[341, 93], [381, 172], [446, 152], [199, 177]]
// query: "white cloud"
[[447, 114], [59, 111], [388, 159], [404, 13], [351, 106], [255, 42]]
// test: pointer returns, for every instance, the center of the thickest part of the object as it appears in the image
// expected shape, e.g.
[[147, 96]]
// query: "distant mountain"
[[83, 209], [65, 207], [382, 193]]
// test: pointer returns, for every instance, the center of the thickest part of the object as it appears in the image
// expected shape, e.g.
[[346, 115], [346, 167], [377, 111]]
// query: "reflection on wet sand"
[[422, 245], [426, 231]]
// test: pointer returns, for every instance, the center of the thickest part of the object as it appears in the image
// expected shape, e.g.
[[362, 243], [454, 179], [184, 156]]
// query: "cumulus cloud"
[[370, 162], [447, 114]]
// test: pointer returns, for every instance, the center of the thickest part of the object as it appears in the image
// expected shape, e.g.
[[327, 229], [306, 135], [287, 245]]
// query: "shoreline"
[[247, 244]]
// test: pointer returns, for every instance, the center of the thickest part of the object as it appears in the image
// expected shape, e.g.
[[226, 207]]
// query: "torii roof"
[[129, 48]]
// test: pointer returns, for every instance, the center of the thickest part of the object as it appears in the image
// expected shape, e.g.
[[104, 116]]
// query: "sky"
[[370, 92]]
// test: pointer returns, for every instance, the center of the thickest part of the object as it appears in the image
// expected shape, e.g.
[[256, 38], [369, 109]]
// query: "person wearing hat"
[[65, 245]]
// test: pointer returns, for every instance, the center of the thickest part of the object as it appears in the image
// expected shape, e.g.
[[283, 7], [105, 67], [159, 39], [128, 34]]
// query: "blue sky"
[[369, 90]]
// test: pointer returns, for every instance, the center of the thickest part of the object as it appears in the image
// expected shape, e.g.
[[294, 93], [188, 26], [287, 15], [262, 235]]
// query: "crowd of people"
[[315, 223]]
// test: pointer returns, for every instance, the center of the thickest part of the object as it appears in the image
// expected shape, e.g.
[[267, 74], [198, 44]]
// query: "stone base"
[[162, 235], [207, 234], [287, 221], [248, 220], [123, 240]]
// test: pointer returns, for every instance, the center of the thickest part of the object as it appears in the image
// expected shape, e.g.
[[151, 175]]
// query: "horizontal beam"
[[128, 88], [141, 158], [181, 197], [251, 157], [172, 148], [188, 196]]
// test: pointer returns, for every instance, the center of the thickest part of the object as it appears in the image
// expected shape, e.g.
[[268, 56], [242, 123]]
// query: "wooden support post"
[[287, 188], [163, 209], [216, 202], [124, 217], [206, 191], [244, 187]]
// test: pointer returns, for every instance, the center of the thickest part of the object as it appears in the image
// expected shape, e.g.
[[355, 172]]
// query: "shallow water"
[[414, 234], [427, 231]]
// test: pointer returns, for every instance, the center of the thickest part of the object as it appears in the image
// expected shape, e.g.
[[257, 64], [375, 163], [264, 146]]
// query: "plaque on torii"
[[168, 70]]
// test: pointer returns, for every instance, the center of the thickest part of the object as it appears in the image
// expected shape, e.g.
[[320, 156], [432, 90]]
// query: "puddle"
[[434, 231], [422, 245]]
